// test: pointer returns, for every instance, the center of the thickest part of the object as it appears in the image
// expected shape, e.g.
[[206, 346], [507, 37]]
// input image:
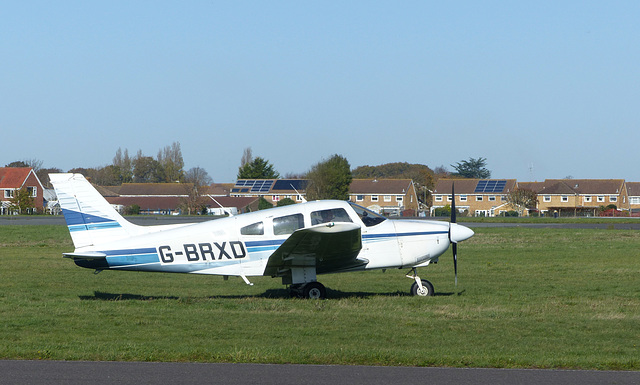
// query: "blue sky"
[[541, 89]]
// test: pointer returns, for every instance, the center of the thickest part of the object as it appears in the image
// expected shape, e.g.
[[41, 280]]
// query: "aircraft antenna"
[[221, 206], [300, 195]]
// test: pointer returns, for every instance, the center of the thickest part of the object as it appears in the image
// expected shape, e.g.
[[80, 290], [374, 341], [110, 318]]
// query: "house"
[[578, 197], [272, 190], [633, 196], [478, 197], [385, 196], [16, 178]]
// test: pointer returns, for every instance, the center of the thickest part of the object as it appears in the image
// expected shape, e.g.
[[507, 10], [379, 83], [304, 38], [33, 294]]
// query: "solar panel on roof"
[[290, 184], [490, 186]]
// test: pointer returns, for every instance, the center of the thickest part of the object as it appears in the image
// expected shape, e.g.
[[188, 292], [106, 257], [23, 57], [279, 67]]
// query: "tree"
[[18, 163], [196, 178], [259, 168], [472, 168], [123, 165], [247, 156], [21, 201], [264, 204], [330, 179], [522, 199], [171, 162], [147, 170], [422, 176], [285, 202]]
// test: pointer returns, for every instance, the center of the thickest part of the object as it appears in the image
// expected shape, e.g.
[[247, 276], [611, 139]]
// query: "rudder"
[[90, 218]]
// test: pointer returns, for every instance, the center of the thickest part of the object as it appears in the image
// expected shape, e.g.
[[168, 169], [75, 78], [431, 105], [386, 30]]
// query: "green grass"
[[533, 298]]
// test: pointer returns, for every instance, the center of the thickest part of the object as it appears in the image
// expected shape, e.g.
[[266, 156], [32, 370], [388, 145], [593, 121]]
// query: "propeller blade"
[[453, 204], [454, 247]]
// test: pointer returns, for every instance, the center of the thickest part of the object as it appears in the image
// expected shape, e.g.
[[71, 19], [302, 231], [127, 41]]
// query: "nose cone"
[[460, 233]]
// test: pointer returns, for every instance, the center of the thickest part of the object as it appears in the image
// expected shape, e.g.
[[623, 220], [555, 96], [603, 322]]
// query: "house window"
[[438, 198], [8, 193], [479, 198], [564, 198], [33, 191], [600, 198], [374, 198], [463, 198], [613, 198], [546, 198], [359, 198], [399, 198], [387, 198], [503, 198], [492, 198], [275, 198], [634, 200], [587, 199]]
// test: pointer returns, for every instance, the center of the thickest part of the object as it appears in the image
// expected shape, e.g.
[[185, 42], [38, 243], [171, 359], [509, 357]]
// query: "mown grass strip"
[[535, 298]]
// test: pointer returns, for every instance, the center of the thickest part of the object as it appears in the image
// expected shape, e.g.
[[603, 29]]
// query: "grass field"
[[533, 298]]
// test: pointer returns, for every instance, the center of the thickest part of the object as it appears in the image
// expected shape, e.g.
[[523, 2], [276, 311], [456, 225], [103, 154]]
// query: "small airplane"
[[296, 242]]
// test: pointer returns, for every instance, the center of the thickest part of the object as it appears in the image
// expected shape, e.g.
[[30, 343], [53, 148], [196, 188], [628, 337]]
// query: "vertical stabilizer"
[[90, 218]]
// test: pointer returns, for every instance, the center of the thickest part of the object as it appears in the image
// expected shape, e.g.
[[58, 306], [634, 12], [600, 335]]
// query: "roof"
[[14, 177], [157, 189], [633, 189], [380, 186], [225, 201], [147, 203], [474, 186], [267, 186], [582, 186]]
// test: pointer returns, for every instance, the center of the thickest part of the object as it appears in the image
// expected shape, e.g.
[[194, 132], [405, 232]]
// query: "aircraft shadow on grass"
[[270, 293]]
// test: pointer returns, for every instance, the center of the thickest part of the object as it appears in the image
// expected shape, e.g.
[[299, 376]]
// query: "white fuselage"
[[241, 245]]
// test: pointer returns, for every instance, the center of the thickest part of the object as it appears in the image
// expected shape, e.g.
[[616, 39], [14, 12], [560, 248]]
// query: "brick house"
[[272, 190], [478, 197], [385, 196], [15, 178], [578, 197], [633, 196]]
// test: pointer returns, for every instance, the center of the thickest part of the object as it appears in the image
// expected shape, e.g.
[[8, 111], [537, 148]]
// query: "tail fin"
[[90, 218]]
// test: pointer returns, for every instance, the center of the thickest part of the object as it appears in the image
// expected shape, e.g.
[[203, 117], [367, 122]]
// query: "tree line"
[[328, 179]]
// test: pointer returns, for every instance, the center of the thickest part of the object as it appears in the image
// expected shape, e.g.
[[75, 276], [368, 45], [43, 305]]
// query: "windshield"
[[369, 218]]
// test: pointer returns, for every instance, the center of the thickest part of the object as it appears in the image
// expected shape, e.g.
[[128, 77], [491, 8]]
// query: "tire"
[[427, 286], [314, 290]]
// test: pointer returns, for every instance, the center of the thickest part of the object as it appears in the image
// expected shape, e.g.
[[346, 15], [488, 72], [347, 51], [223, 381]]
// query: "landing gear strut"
[[309, 290], [421, 287]]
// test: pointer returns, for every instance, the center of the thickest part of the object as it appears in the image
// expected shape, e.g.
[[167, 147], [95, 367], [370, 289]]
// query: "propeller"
[[454, 244]]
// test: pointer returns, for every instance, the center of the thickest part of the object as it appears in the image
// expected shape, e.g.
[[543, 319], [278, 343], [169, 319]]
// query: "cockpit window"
[[288, 224], [369, 218], [330, 215], [253, 229]]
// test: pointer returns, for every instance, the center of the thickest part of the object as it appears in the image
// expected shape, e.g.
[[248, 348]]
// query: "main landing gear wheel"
[[310, 290], [425, 291], [314, 290]]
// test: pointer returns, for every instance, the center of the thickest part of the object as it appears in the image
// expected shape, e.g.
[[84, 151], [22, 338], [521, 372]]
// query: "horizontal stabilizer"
[[85, 255]]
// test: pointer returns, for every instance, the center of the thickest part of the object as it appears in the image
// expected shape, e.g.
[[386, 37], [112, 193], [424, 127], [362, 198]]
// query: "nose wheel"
[[421, 287]]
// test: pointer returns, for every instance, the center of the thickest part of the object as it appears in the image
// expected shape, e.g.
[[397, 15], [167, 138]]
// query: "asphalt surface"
[[80, 372]]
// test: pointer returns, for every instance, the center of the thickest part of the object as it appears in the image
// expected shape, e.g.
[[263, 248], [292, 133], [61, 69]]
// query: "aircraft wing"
[[329, 247]]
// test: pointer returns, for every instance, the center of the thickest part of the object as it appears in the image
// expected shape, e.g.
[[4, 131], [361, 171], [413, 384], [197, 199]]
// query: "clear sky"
[[542, 89]]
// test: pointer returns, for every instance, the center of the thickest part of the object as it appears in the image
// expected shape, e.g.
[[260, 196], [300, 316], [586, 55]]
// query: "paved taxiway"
[[138, 373]]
